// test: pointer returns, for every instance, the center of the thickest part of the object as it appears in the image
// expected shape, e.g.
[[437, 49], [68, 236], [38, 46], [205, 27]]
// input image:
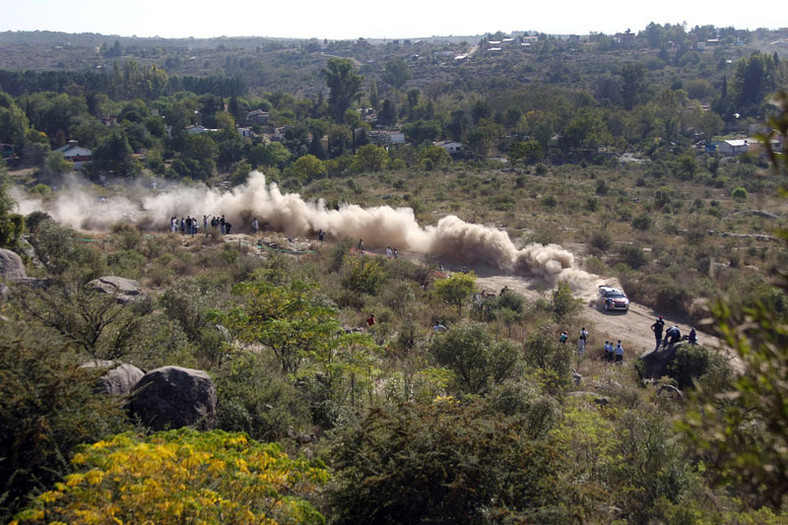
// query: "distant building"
[[454, 148], [76, 154], [733, 147], [258, 116]]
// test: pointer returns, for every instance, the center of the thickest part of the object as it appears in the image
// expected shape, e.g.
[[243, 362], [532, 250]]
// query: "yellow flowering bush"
[[182, 476]]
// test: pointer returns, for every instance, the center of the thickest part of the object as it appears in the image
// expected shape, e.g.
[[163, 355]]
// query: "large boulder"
[[125, 290], [11, 266], [175, 397], [657, 361], [119, 380]]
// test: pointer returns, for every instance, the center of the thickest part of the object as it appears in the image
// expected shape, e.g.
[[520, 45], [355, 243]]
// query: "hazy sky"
[[350, 19]]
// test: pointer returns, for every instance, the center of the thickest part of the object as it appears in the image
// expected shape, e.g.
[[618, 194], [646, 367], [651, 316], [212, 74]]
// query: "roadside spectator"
[[619, 353], [657, 328]]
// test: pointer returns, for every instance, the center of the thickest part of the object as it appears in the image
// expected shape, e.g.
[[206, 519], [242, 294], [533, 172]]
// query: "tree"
[[456, 289], [530, 152], [48, 406], [422, 131], [114, 154], [633, 76], [396, 73], [477, 358], [307, 168], [753, 79], [287, 320], [371, 158], [343, 82]]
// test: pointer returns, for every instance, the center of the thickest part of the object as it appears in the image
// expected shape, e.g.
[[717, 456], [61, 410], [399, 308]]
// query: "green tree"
[[114, 154], [530, 152], [743, 431], [47, 406], [343, 81], [422, 131], [371, 158], [396, 73], [287, 320], [477, 358], [307, 168], [455, 289], [632, 83]]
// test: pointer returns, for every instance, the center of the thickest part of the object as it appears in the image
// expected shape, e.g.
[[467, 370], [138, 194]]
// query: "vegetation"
[[597, 145]]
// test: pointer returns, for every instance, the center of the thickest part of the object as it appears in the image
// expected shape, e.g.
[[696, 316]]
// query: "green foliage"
[[343, 82], [740, 194], [564, 304], [287, 320], [364, 275], [445, 461], [47, 406], [58, 250], [476, 357], [744, 429], [456, 289], [693, 362], [93, 321], [550, 358], [251, 399], [198, 477]]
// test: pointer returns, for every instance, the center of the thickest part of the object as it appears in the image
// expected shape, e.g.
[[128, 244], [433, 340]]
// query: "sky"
[[351, 19]]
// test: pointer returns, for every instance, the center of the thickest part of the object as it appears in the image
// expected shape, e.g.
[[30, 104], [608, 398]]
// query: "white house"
[[453, 147], [733, 147], [75, 153]]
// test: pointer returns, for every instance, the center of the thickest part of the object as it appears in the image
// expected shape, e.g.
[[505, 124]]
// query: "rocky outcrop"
[[175, 397], [657, 361], [11, 266], [125, 290]]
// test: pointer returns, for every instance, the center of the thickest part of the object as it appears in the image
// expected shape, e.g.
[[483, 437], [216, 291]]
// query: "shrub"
[[209, 477], [601, 240], [693, 362], [739, 194], [444, 462], [47, 406], [475, 356]]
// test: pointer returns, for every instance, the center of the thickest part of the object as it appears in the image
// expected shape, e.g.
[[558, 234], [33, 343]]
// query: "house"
[[386, 138], [75, 153], [733, 147], [246, 133], [454, 148], [258, 116]]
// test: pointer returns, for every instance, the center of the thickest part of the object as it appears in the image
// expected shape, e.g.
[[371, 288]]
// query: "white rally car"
[[613, 299]]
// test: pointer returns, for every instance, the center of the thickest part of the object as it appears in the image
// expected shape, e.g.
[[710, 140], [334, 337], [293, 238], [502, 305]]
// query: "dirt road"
[[632, 327]]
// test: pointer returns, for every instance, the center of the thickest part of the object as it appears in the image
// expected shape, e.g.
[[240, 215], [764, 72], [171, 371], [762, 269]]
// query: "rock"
[[120, 381], [175, 397], [576, 377], [656, 361], [11, 266], [125, 290], [670, 391]]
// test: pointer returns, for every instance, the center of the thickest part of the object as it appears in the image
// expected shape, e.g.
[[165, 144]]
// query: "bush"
[[444, 462], [693, 362], [209, 477], [601, 240], [47, 406], [475, 356]]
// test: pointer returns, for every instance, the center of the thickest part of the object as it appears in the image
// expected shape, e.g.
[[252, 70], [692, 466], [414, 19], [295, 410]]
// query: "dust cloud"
[[79, 206]]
